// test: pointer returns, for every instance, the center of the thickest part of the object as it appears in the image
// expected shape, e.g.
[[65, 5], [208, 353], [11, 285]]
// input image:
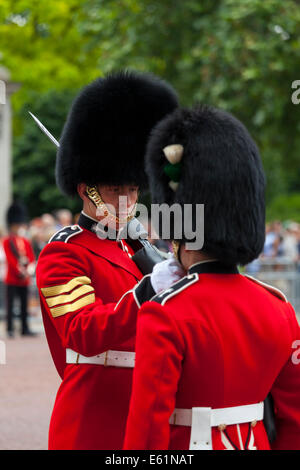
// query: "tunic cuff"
[[144, 290]]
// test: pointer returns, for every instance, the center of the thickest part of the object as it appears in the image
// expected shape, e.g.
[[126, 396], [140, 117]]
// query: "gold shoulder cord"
[[94, 195]]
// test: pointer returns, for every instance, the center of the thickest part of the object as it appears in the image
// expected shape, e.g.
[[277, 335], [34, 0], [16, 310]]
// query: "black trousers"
[[13, 292]]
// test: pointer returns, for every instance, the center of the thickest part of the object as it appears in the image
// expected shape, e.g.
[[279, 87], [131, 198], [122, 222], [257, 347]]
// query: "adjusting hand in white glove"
[[167, 272]]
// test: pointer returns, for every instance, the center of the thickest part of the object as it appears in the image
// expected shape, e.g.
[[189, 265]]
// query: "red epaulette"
[[273, 290]]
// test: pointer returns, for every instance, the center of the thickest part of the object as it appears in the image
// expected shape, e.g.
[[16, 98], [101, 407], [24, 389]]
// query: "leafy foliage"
[[34, 155], [241, 56], [285, 207]]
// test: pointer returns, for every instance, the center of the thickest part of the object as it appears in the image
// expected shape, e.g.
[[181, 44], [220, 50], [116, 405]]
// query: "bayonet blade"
[[43, 129]]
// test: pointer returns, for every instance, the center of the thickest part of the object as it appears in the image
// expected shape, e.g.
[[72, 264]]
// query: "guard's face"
[[121, 198]]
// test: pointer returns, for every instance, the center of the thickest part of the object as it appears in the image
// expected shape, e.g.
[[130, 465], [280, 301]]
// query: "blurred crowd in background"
[[282, 246], [282, 238], [39, 230]]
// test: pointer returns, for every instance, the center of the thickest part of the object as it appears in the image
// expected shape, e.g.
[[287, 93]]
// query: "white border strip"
[[269, 288], [71, 235]]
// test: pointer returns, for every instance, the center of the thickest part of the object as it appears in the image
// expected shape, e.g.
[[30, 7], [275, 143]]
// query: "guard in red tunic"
[[86, 273], [20, 266], [217, 348]]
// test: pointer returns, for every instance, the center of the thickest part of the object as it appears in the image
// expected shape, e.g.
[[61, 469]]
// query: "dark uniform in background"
[[213, 347], [85, 282], [20, 262]]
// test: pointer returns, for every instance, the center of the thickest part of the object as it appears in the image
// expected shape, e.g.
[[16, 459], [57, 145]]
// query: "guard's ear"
[[81, 189]]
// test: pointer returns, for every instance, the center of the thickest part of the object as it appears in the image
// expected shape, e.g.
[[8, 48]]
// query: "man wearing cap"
[[211, 348], [20, 266], [85, 274]]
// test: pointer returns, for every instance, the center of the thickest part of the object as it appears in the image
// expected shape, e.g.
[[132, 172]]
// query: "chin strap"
[[94, 196], [176, 249]]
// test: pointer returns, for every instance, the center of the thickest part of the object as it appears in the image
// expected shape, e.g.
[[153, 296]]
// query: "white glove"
[[164, 274]]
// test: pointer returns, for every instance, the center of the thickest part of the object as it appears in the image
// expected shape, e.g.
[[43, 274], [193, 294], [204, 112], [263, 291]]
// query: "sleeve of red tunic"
[[286, 393], [11, 259], [83, 322], [159, 354]]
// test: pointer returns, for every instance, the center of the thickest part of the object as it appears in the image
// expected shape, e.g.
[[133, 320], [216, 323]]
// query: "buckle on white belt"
[[202, 419], [106, 359]]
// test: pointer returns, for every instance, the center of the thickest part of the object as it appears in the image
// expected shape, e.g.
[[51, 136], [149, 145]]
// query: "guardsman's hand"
[[167, 272]]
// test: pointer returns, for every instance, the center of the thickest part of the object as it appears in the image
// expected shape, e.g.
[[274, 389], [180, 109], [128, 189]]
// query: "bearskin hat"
[[104, 137], [16, 214], [219, 166]]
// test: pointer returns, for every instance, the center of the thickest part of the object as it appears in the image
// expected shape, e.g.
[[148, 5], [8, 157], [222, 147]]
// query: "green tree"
[[34, 155], [241, 56], [42, 45]]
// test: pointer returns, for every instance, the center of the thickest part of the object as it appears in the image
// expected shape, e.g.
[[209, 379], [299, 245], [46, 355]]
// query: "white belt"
[[203, 419], [108, 358]]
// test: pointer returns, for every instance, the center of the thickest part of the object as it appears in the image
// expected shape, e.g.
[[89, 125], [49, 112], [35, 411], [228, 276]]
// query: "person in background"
[[48, 226], [298, 247], [290, 242], [2, 272], [20, 266], [76, 217], [36, 235], [64, 218], [273, 240]]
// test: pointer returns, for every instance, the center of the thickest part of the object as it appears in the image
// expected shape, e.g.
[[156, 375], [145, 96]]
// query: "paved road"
[[28, 385]]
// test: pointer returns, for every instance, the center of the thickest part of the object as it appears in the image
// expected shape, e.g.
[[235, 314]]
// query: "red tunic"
[[15, 249], [214, 340], [81, 278]]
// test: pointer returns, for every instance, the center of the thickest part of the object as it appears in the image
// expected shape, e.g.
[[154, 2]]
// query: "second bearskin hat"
[[105, 135], [206, 156], [16, 213]]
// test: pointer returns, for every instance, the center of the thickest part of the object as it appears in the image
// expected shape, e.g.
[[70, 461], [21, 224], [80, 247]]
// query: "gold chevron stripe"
[[65, 288], [69, 308], [67, 298]]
